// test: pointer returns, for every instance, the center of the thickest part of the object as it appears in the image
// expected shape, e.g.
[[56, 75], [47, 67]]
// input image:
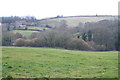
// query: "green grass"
[[25, 33], [38, 28], [23, 62]]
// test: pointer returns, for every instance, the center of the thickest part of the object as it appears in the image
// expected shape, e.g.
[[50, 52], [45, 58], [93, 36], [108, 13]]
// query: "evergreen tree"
[[84, 36]]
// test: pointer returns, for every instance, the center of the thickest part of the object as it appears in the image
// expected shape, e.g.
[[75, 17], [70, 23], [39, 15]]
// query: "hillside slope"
[[73, 21]]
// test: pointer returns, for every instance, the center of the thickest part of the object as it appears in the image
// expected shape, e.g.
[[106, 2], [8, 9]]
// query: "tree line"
[[101, 35]]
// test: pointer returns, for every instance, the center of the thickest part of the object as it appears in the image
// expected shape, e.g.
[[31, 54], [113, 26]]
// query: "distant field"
[[23, 62], [38, 28], [74, 21], [25, 33]]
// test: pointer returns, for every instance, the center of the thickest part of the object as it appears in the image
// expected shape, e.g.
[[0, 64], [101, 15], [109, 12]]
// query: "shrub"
[[79, 44], [97, 47], [100, 48], [28, 42], [20, 42], [35, 42]]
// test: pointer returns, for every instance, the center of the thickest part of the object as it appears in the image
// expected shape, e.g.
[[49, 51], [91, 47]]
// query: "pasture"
[[37, 28], [28, 62]]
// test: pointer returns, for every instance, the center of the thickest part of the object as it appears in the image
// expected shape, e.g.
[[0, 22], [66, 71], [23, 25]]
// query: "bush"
[[35, 42], [97, 47], [79, 44], [20, 42], [100, 48], [28, 42]]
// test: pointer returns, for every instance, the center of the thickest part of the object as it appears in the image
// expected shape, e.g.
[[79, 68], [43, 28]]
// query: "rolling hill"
[[73, 21]]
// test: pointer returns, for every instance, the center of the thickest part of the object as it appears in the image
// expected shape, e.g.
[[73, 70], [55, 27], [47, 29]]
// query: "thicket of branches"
[[54, 39]]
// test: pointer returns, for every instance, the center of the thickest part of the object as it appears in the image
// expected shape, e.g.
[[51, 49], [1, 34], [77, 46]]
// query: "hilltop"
[[73, 21]]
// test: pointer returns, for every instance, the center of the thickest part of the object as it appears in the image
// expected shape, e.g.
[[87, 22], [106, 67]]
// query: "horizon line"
[[62, 16]]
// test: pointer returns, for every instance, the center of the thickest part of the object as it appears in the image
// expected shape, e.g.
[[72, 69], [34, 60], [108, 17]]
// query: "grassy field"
[[74, 21], [23, 62], [38, 28]]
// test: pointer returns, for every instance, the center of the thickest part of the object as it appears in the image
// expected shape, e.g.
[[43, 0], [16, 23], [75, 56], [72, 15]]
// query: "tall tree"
[[89, 35], [84, 36]]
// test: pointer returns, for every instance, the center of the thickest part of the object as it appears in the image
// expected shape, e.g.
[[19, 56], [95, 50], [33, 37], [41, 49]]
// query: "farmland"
[[24, 62]]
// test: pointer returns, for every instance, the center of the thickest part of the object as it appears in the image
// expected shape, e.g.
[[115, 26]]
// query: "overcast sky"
[[52, 8]]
